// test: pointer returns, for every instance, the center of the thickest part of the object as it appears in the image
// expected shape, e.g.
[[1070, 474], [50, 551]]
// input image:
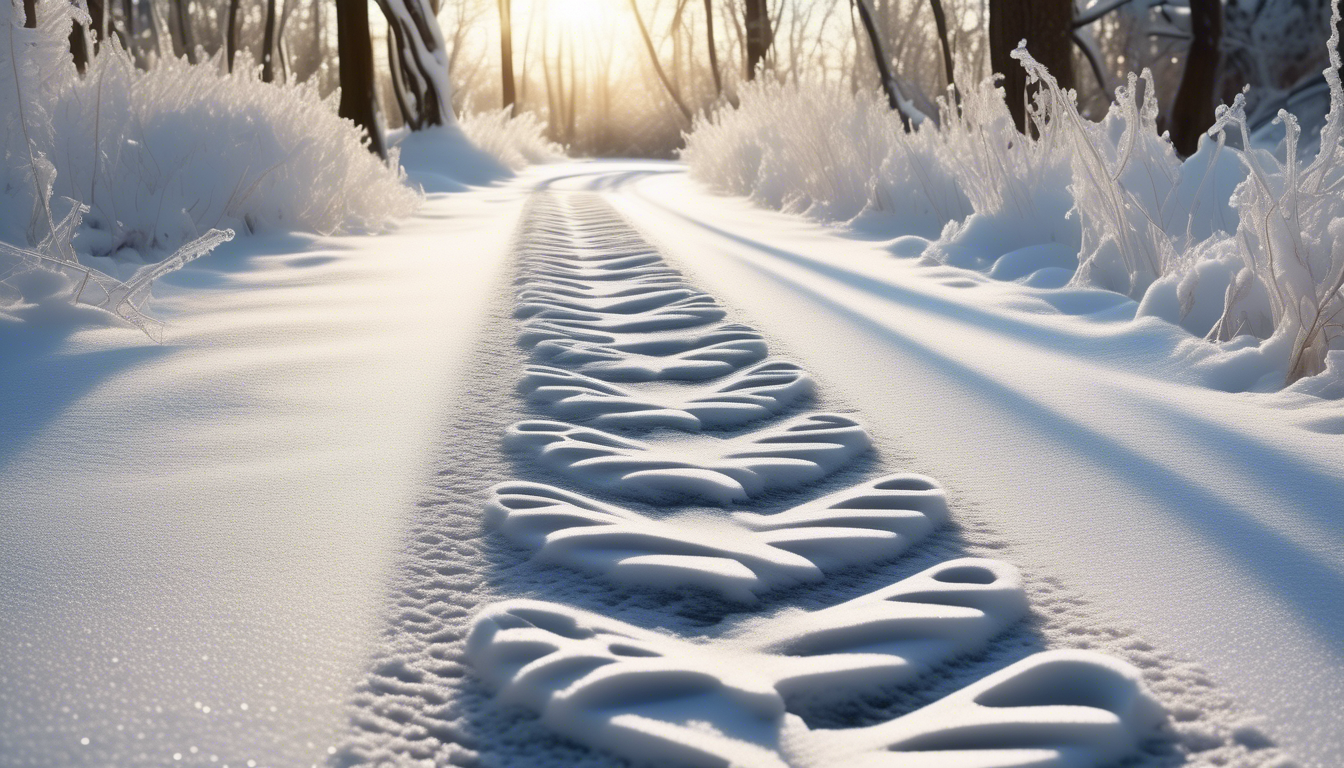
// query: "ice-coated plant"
[[1291, 236]]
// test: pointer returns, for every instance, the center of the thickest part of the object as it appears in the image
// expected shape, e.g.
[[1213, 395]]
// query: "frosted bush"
[[1226, 243], [1016, 184], [182, 149], [825, 152], [161, 165], [1291, 238], [515, 142]]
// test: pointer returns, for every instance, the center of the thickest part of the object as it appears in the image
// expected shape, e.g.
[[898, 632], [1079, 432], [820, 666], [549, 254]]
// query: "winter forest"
[[807, 383]]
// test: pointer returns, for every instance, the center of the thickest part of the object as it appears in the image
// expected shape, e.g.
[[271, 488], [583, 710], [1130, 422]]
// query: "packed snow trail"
[[813, 634], [1096, 448]]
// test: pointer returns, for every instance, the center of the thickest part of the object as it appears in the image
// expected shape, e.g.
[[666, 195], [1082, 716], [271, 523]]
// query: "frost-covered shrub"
[[1291, 238], [1017, 186], [183, 148], [827, 153], [161, 165], [515, 141], [1140, 208]]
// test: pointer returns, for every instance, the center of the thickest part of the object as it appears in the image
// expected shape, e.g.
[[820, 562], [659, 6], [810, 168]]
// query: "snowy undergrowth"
[[1242, 248], [515, 141], [117, 175]]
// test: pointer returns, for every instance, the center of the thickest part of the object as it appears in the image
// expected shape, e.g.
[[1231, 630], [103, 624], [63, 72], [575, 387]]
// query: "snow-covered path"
[[291, 505], [1211, 522]]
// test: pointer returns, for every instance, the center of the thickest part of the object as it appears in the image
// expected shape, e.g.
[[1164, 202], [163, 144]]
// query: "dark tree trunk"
[[713, 55], [884, 73], [1047, 26], [506, 56], [423, 62], [758, 34], [79, 46], [30, 14], [1192, 112], [1339, 46], [268, 45], [128, 21], [231, 34], [940, 21], [184, 32], [359, 100]]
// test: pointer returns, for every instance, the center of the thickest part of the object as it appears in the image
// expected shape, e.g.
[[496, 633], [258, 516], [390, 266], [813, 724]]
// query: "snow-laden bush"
[[1227, 243], [1016, 185], [162, 155], [1140, 208], [153, 162], [515, 141], [825, 152], [1291, 237]]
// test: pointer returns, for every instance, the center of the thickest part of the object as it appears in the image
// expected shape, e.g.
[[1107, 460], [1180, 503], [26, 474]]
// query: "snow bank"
[[1241, 247]]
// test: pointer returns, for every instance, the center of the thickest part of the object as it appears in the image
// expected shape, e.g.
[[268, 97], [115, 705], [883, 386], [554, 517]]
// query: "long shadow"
[[1040, 336], [1313, 586], [40, 384], [1308, 489]]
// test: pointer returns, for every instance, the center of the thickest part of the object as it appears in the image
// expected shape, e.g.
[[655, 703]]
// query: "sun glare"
[[582, 12]]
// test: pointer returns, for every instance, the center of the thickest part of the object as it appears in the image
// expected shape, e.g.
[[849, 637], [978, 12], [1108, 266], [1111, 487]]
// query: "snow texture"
[[738, 557], [800, 451], [761, 391], [655, 698]]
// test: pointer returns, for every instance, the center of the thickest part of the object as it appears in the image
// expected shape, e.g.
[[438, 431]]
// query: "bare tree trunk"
[[884, 73], [30, 14], [506, 55], [758, 34], [713, 56], [573, 97], [281, 42], [128, 21], [184, 30], [394, 67], [561, 99], [940, 21], [1047, 26], [423, 60], [79, 46], [359, 99], [231, 34], [527, 54], [268, 45], [657, 66], [552, 113], [1192, 112]]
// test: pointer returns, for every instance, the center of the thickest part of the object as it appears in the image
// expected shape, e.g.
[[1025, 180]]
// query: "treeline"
[[625, 76]]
